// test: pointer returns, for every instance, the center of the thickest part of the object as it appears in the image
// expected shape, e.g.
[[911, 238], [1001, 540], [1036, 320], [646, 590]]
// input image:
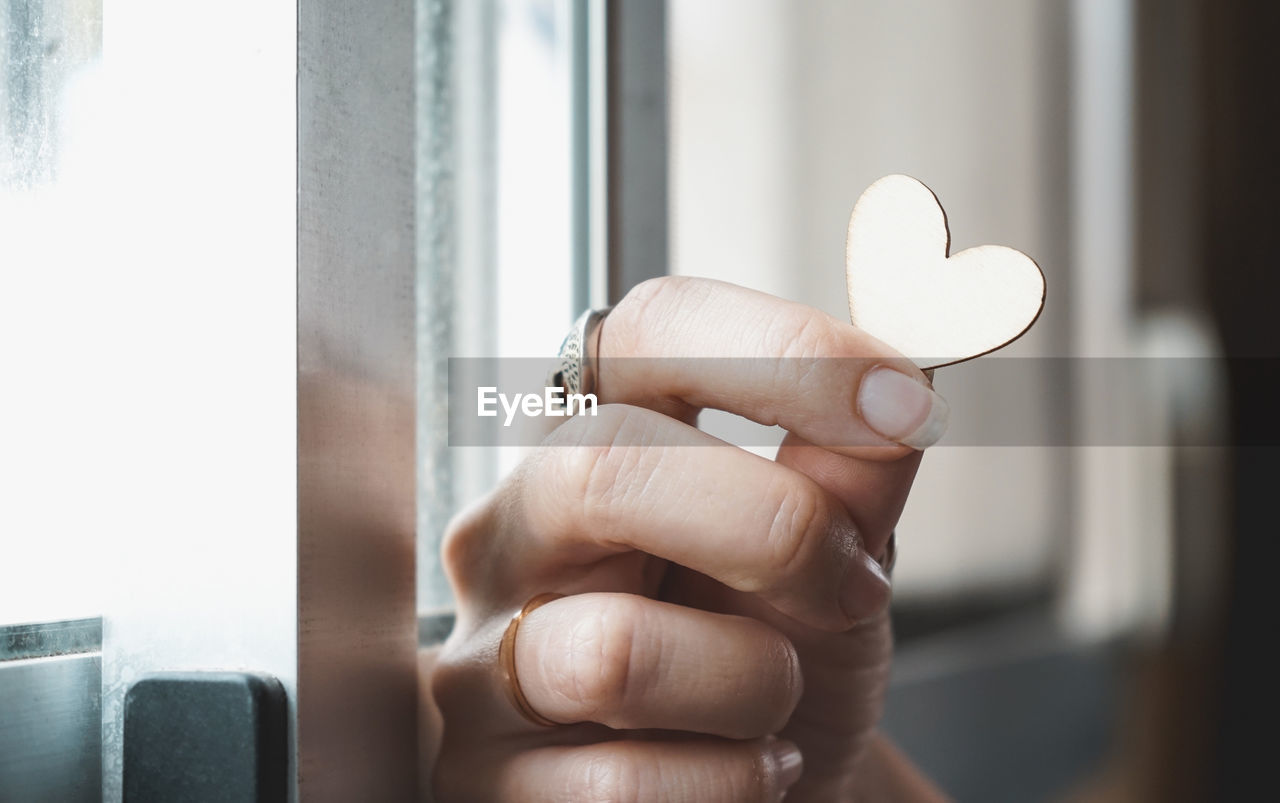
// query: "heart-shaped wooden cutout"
[[906, 291]]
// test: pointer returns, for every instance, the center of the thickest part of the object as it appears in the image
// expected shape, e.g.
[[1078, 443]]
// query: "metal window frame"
[[636, 224], [51, 710], [356, 727]]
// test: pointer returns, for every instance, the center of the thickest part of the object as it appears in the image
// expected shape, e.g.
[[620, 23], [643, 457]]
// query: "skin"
[[722, 611]]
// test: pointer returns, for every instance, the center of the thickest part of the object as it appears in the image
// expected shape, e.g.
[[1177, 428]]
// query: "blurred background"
[[1083, 621], [1074, 619]]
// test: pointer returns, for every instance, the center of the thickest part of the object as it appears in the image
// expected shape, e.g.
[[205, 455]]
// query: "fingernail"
[[787, 763], [901, 409], [866, 590]]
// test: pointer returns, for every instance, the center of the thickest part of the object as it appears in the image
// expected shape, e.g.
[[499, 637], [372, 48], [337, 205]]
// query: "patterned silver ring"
[[576, 366]]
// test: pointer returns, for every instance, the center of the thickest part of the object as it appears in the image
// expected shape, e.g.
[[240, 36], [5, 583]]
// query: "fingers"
[[691, 771], [596, 490], [710, 344], [874, 492], [635, 663]]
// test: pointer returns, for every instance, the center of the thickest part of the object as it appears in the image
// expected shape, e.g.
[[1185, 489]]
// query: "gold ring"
[[507, 659]]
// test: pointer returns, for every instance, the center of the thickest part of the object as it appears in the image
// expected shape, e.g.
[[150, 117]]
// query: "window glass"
[[495, 227], [51, 393]]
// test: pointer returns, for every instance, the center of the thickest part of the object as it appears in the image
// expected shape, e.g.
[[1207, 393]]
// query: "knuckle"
[[554, 482], [802, 334], [462, 544], [596, 671], [659, 291], [801, 520], [596, 478], [585, 470], [589, 479], [649, 306]]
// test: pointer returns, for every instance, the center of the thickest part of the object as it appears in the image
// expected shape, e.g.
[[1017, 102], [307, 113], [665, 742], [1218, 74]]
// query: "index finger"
[[705, 343]]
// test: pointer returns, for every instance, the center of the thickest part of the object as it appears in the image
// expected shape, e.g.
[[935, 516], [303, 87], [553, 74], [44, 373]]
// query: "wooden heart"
[[906, 291]]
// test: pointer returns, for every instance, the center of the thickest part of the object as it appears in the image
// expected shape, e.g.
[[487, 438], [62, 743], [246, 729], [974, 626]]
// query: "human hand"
[[724, 614]]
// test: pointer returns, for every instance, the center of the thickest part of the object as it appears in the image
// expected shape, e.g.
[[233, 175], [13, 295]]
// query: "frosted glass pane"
[[51, 531]]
